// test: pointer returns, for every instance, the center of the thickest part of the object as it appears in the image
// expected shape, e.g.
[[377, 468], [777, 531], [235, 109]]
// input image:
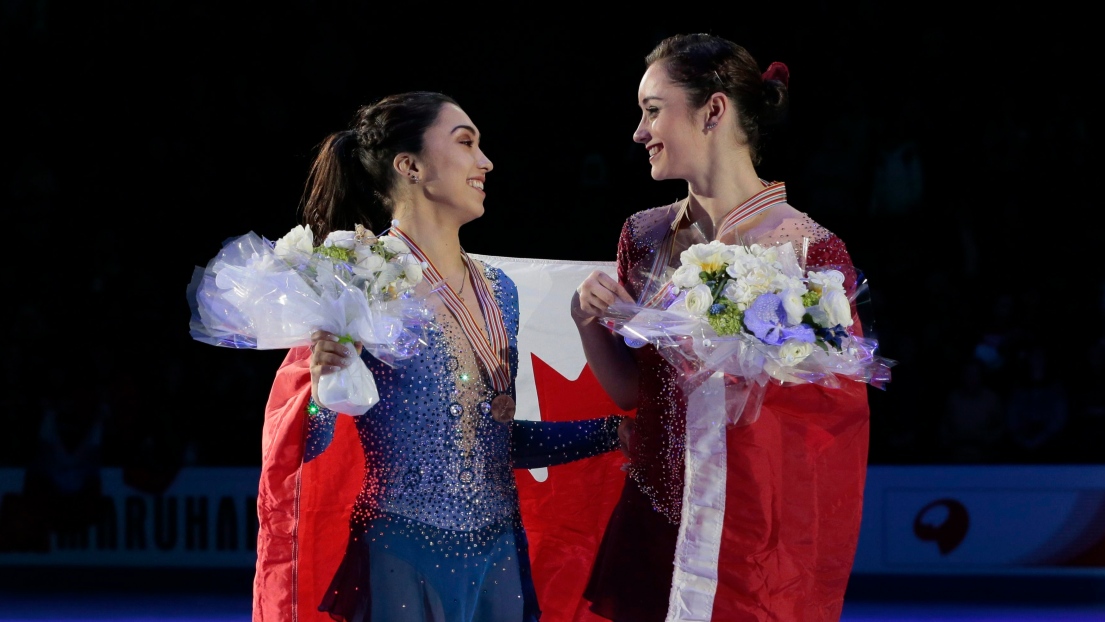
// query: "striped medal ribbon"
[[772, 195], [493, 350]]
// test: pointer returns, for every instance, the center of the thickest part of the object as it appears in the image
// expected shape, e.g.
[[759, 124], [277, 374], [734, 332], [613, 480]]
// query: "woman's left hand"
[[329, 356]]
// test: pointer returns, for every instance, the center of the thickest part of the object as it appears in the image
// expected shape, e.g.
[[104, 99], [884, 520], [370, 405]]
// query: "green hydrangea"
[[725, 318], [336, 253]]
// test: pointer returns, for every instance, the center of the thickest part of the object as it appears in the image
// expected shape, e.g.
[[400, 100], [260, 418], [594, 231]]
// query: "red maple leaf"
[[566, 514]]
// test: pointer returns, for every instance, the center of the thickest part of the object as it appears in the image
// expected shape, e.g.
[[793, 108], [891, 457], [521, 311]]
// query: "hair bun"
[[368, 131], [777, 71]]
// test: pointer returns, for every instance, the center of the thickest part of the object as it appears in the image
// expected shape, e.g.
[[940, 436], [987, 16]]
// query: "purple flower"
[[834, 335], [766, 318]]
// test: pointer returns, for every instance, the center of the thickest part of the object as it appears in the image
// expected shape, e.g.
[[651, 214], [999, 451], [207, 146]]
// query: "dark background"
[[957, 157]]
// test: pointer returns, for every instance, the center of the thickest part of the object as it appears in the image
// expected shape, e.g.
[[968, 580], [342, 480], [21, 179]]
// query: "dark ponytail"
[[352, 178], [338, 193]]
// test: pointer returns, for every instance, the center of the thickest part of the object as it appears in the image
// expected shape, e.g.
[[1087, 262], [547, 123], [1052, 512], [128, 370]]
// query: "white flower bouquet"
[[753, 314], [271, 295]]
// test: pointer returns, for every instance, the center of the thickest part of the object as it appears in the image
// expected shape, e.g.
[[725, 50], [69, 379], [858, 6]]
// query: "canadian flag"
[[565, 507]]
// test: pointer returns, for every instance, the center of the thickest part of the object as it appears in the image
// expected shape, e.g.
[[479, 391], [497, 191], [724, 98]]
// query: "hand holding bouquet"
[[269, 295], [754, 314]]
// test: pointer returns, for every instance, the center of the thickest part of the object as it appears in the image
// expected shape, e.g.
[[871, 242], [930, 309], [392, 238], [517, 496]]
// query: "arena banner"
[[918, 520], [987, 520], [206, 518]]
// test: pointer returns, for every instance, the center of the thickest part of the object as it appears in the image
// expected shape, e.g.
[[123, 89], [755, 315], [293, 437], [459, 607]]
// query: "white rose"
[[413, 273], [792, 303], [395, 245], [369, 263], [827, 279], [837, 308], [299, 239], [699, 300], [687, 277], [341, 239], [793, 352], [832, 309]]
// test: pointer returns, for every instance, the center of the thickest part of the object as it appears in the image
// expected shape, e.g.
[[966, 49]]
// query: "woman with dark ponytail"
[[408, 512], [776, 503]]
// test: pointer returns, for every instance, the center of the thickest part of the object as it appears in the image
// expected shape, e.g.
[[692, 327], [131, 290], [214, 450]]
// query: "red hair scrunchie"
[[777, 71]]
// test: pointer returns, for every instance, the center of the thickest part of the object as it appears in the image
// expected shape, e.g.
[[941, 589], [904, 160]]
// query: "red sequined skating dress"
[[793, 480]]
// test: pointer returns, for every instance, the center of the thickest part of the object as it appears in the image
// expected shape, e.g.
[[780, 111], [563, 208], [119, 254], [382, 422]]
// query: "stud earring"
[[711, 125], [414, 178]]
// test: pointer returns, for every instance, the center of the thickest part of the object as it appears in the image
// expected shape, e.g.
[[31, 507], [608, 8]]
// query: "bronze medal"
[[502, 408]]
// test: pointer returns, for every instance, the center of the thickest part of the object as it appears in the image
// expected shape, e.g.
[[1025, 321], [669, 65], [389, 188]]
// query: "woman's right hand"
[[606, 352], [595, 295], [329, 356]]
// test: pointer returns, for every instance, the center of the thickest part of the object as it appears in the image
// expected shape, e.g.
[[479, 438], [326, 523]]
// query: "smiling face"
[[455, 168], [669, 129]]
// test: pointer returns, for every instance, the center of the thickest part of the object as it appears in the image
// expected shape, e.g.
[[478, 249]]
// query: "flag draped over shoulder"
[[304, 509]]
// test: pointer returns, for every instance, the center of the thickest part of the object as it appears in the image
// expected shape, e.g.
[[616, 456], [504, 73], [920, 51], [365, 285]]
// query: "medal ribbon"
[[772, 195], [493, 349]]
